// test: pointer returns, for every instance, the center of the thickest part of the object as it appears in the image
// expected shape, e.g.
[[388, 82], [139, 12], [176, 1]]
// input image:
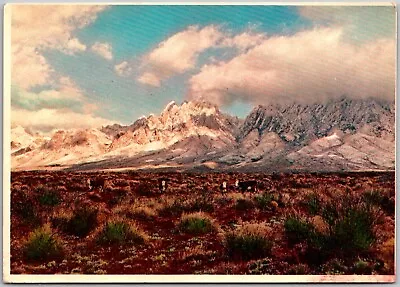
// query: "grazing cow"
[[249, 185], [96, 183], [163, 184], [223, 186]]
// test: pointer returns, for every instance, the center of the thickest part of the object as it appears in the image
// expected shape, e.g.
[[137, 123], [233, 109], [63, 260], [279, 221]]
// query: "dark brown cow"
[[247, 185], [97, 183]]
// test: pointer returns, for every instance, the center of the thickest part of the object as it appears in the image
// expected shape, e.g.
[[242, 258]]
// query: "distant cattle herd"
[[98, 184]]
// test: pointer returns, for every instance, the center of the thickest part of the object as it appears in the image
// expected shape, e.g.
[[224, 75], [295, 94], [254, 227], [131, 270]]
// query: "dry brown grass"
[[198, 252], [143, 212], [320, 224], [255, 232], [386, 254]]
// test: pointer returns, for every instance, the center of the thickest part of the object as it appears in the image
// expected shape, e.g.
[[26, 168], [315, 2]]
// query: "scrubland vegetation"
[[294, 224]]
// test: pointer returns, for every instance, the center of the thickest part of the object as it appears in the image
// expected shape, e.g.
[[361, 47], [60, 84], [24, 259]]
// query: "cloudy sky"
[[86, 66]]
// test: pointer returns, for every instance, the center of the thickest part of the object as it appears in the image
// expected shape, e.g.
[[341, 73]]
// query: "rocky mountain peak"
[[344, 133], [176, 122], [298, 123], [190, 108]]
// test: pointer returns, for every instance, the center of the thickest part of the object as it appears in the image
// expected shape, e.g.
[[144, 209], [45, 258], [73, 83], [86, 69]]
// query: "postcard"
[[184, 142]]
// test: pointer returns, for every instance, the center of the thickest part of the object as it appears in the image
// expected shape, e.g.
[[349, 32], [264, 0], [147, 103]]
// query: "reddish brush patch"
[[169, 251]]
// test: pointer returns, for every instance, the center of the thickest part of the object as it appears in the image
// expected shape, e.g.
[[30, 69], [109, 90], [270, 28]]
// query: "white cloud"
[[29, 68], [74, 45], [35, 28], [50, 119], [60, 108], [103, 49], [312, 65], [244, 40], [123, 69], [66, 95], [178, 53], [150, 79]]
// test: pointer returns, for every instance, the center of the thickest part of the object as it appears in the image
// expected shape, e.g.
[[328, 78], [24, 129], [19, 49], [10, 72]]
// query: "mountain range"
[[345, 134]]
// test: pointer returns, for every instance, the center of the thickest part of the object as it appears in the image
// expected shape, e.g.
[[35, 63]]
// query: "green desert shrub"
[[250, 241], [312, 203], [121, 232], [362, 267], [330, 213], [42, 245], [298, 230], [351, 223], [195, 223], [82, 221], [49, 197], [263, 201], [349, 229], [353, 231]]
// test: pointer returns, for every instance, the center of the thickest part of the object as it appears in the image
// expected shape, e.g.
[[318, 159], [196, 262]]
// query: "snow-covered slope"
[[299, 124], [191, 119], [352, 151], [175, 125], [65, 147], [23, 140], [344, 134]]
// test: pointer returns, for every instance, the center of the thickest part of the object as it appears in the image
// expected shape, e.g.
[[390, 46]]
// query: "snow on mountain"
[[357, 151], [299, 124], [343, 134], [65, 147], [322, 144], [23, 141], [20, 138], [175, 123]]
